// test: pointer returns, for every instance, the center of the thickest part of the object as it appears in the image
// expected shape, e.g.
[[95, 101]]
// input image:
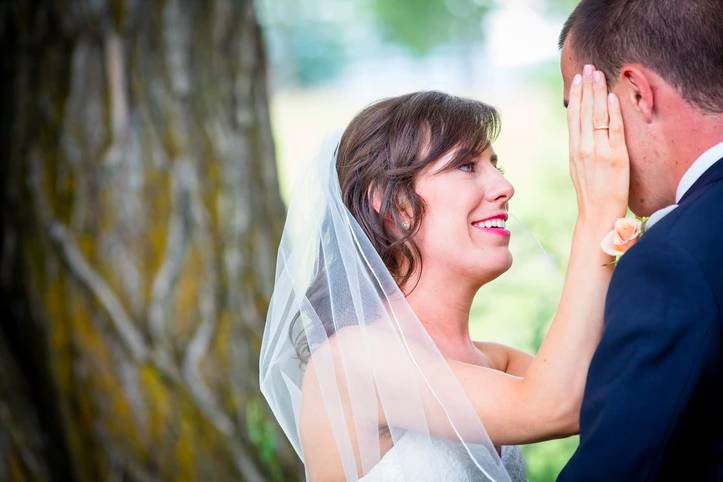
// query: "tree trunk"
[[140, 219]]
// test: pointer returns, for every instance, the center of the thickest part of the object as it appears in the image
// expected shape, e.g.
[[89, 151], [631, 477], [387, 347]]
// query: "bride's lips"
[[494, 224]]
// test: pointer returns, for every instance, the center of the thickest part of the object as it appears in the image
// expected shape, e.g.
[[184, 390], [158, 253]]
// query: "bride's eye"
[[500, 168], [466, 167]]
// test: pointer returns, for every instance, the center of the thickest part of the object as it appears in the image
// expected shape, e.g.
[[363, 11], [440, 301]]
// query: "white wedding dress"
[[448, 461]]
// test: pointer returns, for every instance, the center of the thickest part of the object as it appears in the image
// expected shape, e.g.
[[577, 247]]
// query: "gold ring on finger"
[[601, 127]]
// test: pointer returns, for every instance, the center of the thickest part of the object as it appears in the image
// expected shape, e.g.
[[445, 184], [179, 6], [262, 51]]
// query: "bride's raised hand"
[[599, 163]]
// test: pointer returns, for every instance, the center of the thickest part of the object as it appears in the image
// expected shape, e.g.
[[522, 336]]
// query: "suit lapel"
[[712, 175]]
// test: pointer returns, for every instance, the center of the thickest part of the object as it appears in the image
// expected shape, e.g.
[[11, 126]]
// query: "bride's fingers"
[[573, 114], [586, 111], [600, 110], [617, 131]]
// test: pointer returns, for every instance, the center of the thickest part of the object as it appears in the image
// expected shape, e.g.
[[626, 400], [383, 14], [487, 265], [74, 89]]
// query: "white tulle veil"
[[335, 302]]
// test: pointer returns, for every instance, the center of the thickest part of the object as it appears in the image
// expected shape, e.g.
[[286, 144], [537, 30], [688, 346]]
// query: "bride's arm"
[[545, 403]]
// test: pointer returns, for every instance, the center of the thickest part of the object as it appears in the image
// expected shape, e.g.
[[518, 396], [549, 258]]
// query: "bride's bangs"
[[466, 127]]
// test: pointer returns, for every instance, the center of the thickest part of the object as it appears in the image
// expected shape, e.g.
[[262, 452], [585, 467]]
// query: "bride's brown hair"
[[383, 150]]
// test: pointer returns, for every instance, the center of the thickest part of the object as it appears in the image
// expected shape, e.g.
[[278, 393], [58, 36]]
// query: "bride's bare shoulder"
[[349, 345]]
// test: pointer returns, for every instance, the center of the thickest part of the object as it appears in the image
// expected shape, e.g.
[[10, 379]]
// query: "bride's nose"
[[500, 189]]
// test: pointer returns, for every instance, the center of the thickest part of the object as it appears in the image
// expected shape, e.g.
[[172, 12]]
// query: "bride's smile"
[[496, 224]]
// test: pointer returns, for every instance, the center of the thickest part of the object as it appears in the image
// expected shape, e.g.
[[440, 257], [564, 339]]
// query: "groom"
[[653, 405]]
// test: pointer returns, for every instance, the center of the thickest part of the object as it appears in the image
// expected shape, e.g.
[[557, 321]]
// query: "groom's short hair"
[[680, 40]]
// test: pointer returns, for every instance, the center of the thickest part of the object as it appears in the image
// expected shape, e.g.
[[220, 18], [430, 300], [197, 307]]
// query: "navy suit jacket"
[[653, 403]]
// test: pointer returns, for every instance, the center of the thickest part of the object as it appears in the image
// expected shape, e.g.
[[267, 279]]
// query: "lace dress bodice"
[[449, 460]]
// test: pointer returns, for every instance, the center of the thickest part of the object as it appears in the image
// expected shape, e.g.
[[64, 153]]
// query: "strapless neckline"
[[417, 458]]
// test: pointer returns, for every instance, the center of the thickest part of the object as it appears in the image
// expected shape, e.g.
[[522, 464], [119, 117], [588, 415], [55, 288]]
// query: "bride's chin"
[[491, 273]]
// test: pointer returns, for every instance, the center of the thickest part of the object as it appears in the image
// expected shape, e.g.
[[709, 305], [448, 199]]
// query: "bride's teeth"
[[491, 223]]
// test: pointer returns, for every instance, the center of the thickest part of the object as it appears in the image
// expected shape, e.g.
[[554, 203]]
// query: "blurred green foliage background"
[[329, 59]]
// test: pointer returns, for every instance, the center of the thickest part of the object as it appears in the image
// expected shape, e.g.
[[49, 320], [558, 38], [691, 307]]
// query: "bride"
[[366, 360]]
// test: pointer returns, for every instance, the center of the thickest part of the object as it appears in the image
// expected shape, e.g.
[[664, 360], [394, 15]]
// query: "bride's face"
[[463, 226]]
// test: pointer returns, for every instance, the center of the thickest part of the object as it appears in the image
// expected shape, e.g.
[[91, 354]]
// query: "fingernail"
[[577, 79], [612, 98], [598, 76], [587, 70]]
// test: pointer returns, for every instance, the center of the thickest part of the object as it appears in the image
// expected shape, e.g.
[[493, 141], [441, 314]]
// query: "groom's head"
[[664, 60]]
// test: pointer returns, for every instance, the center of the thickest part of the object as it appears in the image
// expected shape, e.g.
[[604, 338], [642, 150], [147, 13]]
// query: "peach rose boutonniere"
[[626, 232], [624, 235]]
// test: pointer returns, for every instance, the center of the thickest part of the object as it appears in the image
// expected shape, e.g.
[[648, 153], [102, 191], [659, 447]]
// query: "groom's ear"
[[636, 84]]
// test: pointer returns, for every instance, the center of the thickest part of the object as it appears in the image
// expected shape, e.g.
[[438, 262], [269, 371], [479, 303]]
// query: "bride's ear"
[[375, 197]]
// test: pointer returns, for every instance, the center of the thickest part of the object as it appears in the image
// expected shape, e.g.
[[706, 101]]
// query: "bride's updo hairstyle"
[[383, 150]]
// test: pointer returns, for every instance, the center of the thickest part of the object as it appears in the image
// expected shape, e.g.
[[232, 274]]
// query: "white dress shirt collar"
[[699, 166]]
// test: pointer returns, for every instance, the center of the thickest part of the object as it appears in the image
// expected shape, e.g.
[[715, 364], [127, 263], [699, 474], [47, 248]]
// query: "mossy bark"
[[140, 217]]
